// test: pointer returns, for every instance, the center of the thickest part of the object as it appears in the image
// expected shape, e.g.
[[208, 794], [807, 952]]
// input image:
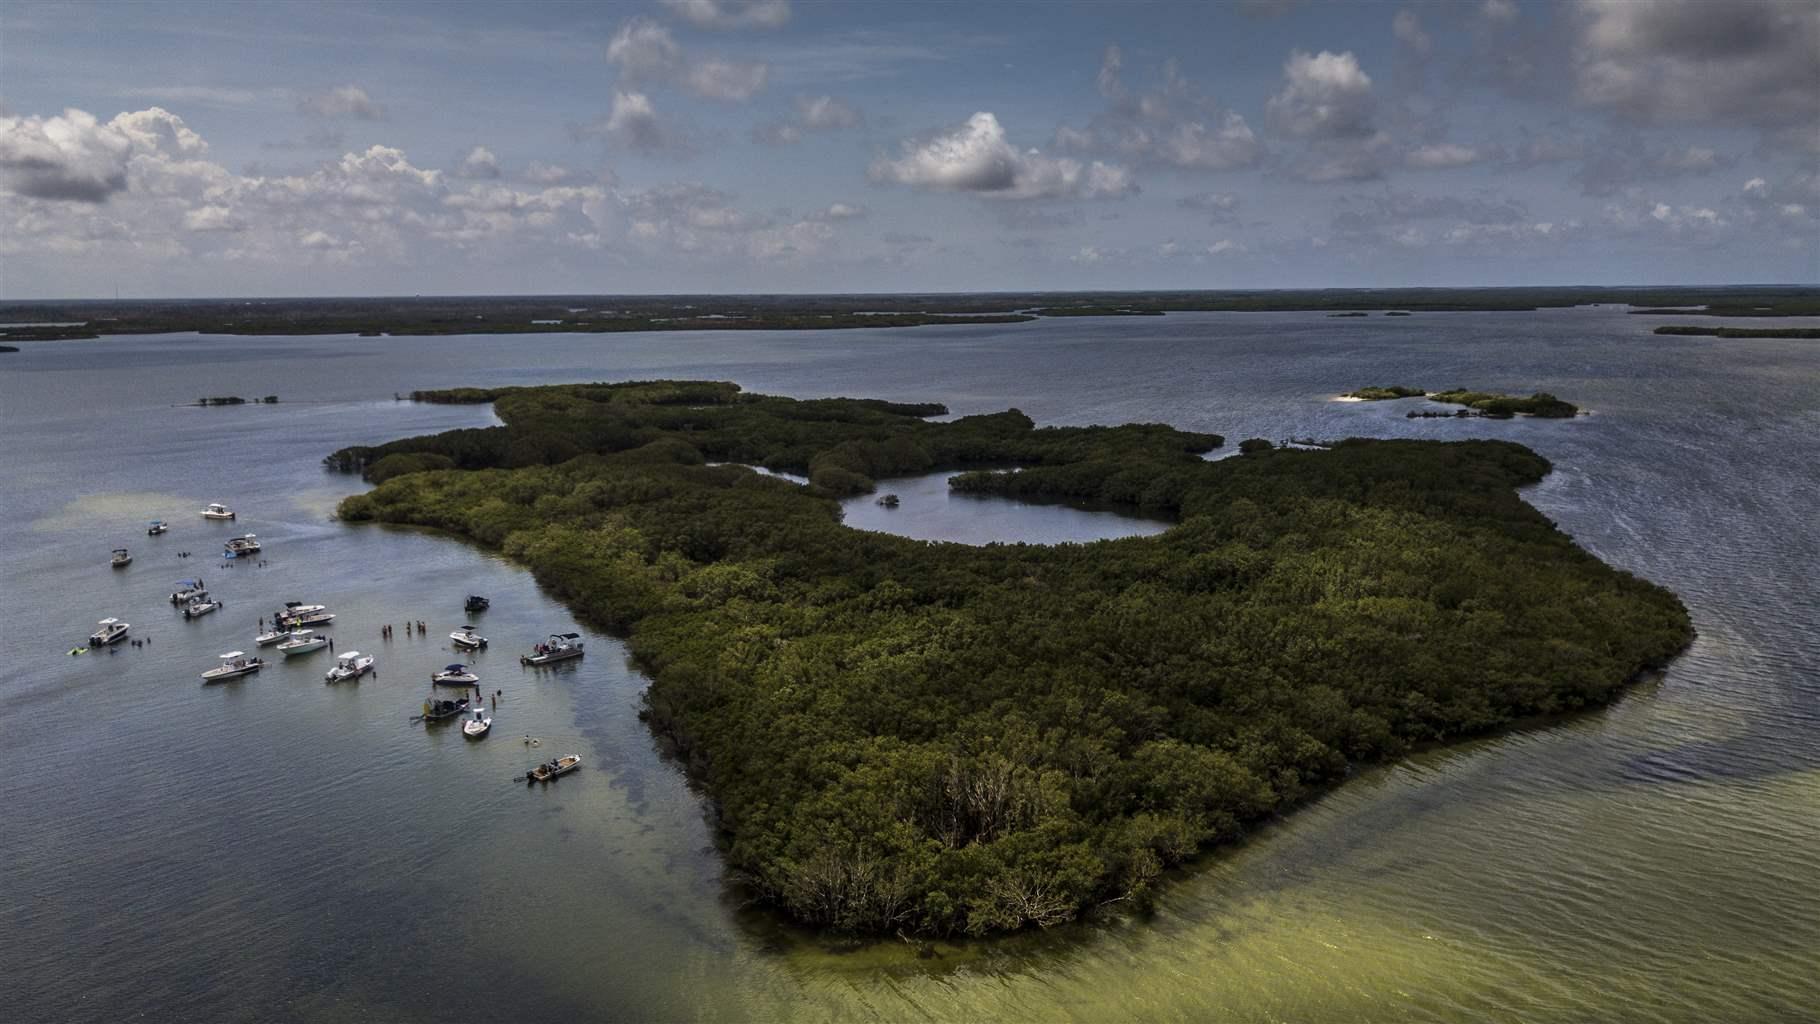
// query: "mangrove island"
[[920, 738]]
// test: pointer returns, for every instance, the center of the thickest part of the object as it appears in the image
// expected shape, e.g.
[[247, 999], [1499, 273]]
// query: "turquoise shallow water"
[[281, 850]]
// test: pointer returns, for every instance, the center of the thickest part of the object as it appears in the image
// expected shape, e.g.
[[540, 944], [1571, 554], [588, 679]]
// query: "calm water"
[[277, 849]]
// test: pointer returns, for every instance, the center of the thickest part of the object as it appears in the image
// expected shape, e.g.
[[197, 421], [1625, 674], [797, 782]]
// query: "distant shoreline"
[[55, 320]]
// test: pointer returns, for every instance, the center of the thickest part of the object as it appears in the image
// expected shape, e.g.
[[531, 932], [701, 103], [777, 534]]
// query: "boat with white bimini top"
[[189, 590], [559, 647], [156, 527], [466, 637], [198, 608], [551, 769], [234, 664], [455, 675], [241, 546], [303, 642], [476, 727], [216, 510], [122, 558], [112, 631], [351, 665]]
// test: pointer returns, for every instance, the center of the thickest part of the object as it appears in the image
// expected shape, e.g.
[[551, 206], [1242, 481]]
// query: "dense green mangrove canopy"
[[937, 738]]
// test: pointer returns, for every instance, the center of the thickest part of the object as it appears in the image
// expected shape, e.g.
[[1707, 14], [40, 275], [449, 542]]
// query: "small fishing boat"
[[559, 647], [121, 559], [234, 664], [350, 665], [476, 727], [466, 637], [303, 642], [271, 636], [156, 527], [200, 607], [218, 511], [476, 603], [889, 501], [455, 675], [112, 631], [551, 769], [241, 546], [442, 710], [189, 590]]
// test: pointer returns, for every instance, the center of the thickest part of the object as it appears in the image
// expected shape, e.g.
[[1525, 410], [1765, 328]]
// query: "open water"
[[279, 849]]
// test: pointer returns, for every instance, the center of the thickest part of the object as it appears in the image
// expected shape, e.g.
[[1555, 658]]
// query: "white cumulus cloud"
[[731, 14], [976, 158], [645, 51]]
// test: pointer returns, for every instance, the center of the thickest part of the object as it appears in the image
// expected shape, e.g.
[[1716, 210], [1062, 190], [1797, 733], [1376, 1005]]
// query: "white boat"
[[317, 618], [189, 590], [234, 664], [121, 559], [303, 642], [455, 675], [350, 665], [241, 546], [198, 608], [297, 609], [112, 631], [271, 636], [217, 511], [476, 727], [156, 527], [559, 647], [466, 637]]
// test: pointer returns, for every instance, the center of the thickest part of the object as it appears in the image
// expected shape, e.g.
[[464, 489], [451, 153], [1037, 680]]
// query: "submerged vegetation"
[[924, 738]]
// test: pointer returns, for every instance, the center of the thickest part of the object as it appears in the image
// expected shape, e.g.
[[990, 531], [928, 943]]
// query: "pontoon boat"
[[559, 647], [241, 546]]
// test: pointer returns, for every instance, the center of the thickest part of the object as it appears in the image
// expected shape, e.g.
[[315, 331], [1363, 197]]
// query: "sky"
[[723, 146]]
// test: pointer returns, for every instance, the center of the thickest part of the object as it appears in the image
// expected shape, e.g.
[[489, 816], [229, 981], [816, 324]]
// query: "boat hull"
[[549, 659], [290, 652]]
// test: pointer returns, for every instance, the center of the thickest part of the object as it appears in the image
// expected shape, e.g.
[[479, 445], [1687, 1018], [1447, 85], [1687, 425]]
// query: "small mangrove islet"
[[929, 739], [1478, 403]]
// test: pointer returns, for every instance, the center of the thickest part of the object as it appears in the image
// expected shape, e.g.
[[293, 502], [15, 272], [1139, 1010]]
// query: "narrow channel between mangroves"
[[939, 739]]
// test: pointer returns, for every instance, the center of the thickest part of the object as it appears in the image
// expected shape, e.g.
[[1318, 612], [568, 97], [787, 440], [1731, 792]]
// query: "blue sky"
[[722, 146]]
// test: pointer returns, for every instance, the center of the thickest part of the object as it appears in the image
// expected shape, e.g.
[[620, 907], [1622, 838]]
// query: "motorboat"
[[466, 637], [551, 769], [200, 607], [218, 511], [476, 603], [319, 617], [271, 636], [297, 609], [559, 647], [476, 727], [189, 590], [122, 558], [303, 642], [441, 710], [112, 631], [455, 675], [156, 527], [234, 664], [241, 546], [350, 665]]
